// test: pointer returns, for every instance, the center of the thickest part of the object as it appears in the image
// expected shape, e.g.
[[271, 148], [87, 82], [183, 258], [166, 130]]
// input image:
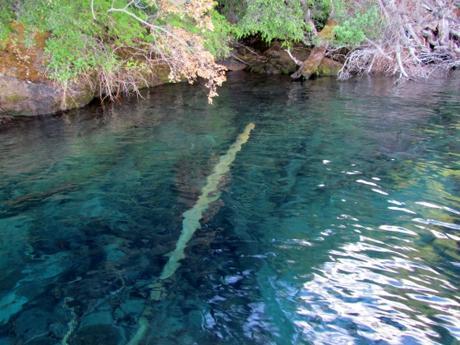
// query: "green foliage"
[[320, 10], [218, 40], [365, 22], [285, 19], [78, 43], [6, 16], [273, 19], [233, 10]]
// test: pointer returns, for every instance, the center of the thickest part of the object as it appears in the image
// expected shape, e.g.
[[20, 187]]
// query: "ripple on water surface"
[[338, 222]]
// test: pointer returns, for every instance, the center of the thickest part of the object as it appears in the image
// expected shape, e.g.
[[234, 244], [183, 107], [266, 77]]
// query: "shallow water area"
[[337, 223]]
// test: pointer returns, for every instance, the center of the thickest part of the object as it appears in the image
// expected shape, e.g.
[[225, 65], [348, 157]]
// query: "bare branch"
[[92, 10], [293, 58]]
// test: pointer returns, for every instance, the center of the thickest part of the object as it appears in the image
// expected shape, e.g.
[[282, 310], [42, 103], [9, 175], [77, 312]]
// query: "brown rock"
[[28, 98], [24, 87], [26, 90], [21, 61], [275, 60], [233, 64], [23, 97], [328, 68]]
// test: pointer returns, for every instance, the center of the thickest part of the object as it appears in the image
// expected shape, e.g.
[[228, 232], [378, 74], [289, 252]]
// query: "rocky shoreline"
[[24, 97], [26, 89]]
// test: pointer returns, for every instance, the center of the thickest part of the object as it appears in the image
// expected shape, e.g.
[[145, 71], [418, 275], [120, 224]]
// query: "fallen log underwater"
[[190, 224]]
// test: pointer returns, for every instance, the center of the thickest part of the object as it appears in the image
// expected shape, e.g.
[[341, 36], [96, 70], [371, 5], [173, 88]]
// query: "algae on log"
[[209, 194]]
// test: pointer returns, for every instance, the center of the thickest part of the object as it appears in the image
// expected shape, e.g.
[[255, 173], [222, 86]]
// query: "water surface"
[[338, 223]]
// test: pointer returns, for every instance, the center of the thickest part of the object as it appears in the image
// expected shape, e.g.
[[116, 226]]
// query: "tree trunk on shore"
[[310, 65]]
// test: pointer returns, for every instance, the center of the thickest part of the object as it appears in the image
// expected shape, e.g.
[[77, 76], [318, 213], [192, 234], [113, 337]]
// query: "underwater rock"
[[129, 310], [113, 252], [58, 330], [98, 328], [133, 306], [37, 277], [51, 267], [98, 335], [10, 305], [32, 324], [92, 207], [6, 341], [103, 317]]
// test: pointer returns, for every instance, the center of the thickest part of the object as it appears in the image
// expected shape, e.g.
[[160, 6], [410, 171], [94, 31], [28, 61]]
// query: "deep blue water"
[[338, 223]]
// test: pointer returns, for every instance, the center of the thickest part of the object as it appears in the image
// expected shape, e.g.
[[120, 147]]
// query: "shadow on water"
[[338, 222]]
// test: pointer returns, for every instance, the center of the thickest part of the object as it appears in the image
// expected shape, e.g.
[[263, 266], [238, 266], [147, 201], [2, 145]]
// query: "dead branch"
[[417, 40], [293, 58]]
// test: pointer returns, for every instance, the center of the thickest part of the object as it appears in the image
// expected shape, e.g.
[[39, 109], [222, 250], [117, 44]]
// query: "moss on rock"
[[328, 68]]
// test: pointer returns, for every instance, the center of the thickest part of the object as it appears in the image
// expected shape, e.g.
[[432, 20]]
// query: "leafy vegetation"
[[353, 30], [6, 16], [288, 21], [77, 44], [121, 42], [123, 39], [272, 19]]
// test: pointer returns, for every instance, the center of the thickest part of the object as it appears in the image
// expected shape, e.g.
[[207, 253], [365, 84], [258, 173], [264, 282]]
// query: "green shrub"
[[218, 40], [355, 25], [273, 19], [6, 16], [320, 10], [78, 43]]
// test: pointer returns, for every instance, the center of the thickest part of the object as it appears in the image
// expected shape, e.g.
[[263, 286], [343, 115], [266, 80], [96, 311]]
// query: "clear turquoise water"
[[339, 222]]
